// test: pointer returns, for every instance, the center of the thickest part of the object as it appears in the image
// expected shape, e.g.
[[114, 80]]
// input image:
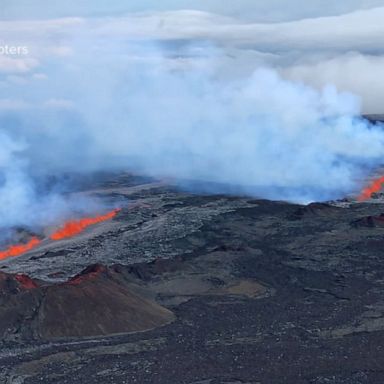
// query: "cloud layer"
[[343, 49]]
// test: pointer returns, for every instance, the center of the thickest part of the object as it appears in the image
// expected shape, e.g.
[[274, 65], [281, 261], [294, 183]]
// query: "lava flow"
[[71, 228], [74, 227], [375, 186], [16, 250]]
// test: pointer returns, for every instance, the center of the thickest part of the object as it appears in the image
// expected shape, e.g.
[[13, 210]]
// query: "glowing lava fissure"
[[375, 186], [69, 229], [16, 250], [74, 227]]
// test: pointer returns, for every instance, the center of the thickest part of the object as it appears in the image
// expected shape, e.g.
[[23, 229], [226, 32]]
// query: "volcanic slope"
[[93, 303], [258, 291]]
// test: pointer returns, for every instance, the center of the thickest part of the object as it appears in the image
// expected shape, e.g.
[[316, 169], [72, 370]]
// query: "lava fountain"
[[375, 186]]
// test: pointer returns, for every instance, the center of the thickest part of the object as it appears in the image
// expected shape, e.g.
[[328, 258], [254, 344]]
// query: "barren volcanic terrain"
[[180, 288]]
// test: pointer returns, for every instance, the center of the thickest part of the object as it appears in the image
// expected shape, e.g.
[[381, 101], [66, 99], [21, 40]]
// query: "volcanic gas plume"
[[373, 187], [69, 229]]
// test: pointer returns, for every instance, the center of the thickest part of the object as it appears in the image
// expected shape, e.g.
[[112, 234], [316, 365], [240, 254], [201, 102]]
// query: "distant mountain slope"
[[375, 117]]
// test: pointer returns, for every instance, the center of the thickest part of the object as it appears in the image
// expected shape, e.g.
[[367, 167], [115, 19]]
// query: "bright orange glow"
[[16, 250], [71, 228], [375, 186], [74, 227]]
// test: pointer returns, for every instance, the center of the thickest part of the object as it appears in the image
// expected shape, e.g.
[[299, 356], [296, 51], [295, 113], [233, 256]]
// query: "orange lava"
[[74, 227], [16, 250], [375, 186]]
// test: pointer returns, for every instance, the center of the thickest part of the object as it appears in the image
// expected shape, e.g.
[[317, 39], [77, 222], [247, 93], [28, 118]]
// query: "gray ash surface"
[[261, 292]]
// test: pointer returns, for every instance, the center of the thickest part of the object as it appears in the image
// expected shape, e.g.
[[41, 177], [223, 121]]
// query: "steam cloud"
[[178, 110]]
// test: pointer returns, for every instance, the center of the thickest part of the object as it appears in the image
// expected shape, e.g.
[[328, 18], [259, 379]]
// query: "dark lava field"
[[182, 288]]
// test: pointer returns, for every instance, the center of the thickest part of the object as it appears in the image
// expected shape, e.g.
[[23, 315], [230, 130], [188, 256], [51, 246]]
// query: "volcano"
[[95, 302], [188, 288]]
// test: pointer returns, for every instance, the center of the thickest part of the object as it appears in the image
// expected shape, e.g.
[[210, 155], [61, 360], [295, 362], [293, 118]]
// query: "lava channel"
[[74, 227], [16, 250]]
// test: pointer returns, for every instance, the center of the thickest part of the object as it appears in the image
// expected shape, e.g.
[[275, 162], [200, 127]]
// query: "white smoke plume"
[[23, 202], [176, 109]]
